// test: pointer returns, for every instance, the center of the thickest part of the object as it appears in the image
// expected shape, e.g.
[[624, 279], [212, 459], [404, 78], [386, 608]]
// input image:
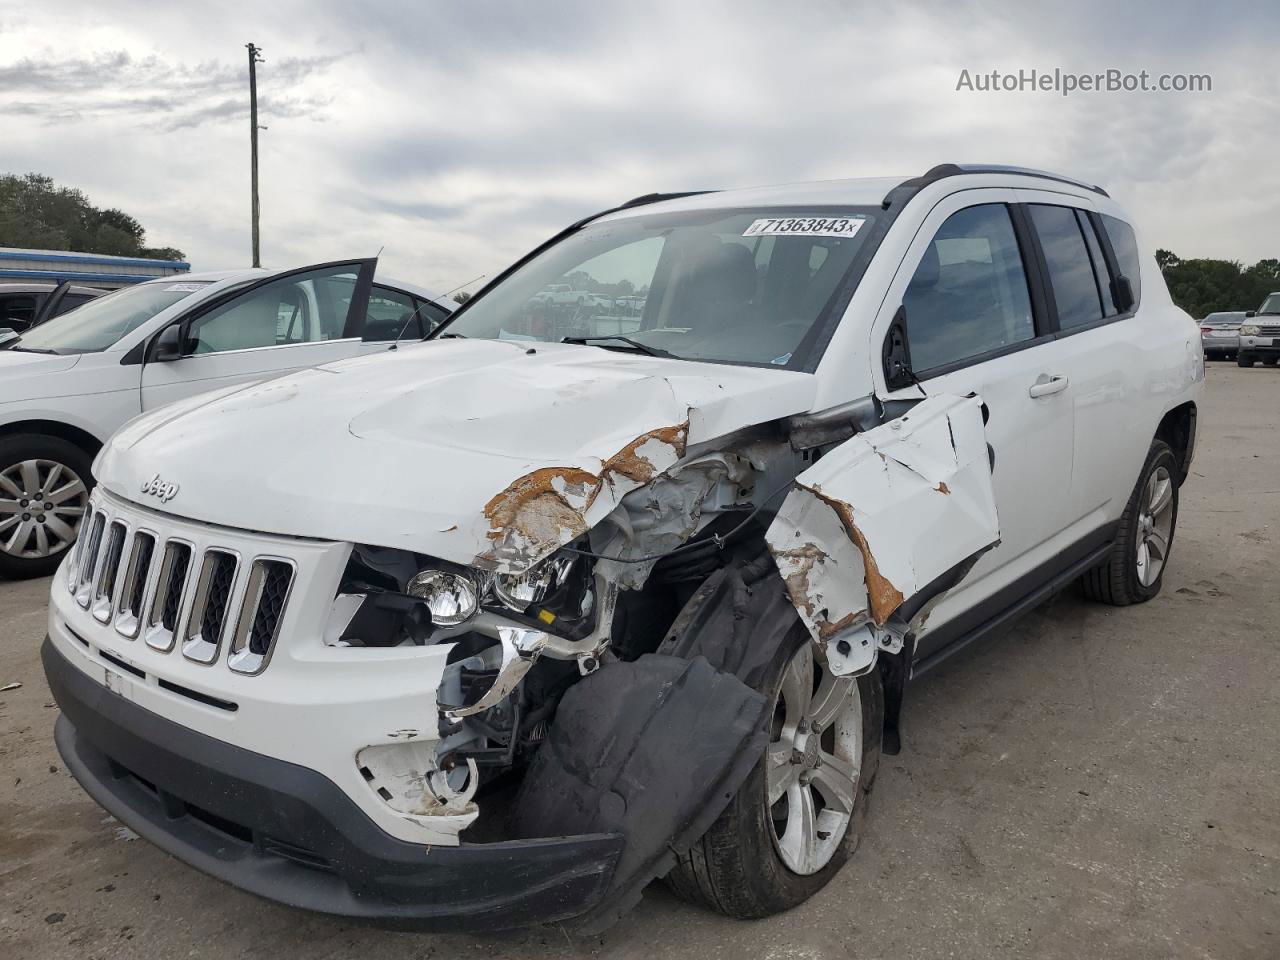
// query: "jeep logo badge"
[[163, 489]]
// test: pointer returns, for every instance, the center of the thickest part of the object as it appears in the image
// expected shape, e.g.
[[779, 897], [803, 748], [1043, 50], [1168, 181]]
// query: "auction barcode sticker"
[[805, 227]]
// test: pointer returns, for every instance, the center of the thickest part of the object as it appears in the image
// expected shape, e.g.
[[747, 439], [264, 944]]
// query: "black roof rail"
[[656, 198], [908, 188]]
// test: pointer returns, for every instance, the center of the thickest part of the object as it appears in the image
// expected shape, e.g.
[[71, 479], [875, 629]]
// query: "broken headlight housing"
[[452, 598], [395, 589]]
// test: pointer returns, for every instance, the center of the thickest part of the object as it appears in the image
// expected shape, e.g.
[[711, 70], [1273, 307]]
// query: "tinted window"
[[391, 313], [1075, 290], [22, 309], [301, 308], [432, 315], [1101, 275], [71, 301], [969, 294], [1125, 245]]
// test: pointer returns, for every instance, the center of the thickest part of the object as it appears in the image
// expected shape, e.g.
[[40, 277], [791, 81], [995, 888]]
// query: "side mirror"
[[1122, 294], [897, 354], [1248, 314], [167, 346]]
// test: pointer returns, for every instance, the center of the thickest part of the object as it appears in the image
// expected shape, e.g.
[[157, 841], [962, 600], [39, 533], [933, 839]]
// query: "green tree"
[[38, 214], [1205, 286]]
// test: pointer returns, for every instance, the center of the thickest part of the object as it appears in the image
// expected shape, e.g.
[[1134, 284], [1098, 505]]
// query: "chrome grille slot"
[[1269, 330], [104, 593], [89, 562], [166, 602], [210, 606], [265, 595], [77, 554], [134, 588]]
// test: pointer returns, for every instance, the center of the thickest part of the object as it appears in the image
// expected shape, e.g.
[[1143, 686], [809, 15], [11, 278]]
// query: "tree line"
[[1202, 286], [38, 214]]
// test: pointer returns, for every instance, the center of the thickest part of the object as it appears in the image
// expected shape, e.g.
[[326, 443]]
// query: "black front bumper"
[[289, 834]]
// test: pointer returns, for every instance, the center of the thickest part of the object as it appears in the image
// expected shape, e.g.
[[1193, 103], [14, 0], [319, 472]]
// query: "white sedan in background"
[[69, 384]]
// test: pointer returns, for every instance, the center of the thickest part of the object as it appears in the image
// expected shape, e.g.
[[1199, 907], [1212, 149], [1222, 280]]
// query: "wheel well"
[[1178, 430], [53, 428]]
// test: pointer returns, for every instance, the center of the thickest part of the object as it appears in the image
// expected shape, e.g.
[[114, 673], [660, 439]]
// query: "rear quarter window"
[[1125, 245]]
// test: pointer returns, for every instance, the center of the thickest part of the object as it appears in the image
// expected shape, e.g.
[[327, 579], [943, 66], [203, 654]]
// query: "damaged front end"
[[607, 646]]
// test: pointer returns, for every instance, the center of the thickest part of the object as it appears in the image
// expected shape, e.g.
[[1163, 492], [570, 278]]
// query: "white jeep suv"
[[68, 384], [495, 629]]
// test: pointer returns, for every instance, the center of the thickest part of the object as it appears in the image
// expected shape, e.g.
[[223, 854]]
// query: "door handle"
[[1046, 386]]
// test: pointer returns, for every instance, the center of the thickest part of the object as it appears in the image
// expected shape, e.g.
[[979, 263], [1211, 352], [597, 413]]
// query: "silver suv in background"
[[1260, 334], [1220, 334]]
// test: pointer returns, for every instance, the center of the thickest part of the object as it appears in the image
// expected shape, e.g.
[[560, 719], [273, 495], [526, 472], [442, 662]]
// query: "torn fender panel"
[[651, 749], [885, 514]]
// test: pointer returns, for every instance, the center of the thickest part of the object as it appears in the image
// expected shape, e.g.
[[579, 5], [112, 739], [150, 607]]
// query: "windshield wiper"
[[14, 346], [635, 345]]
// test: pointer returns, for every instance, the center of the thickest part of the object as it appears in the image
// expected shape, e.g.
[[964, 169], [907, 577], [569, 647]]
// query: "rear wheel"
[[1243, 360], [799, 815], [1134, 570], [44, 491], [1270, 361]]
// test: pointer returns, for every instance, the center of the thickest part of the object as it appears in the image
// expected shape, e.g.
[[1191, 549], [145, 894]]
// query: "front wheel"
[[44, 491], [799, 815], [1134, 570], [1242, 360], [1270, 361]]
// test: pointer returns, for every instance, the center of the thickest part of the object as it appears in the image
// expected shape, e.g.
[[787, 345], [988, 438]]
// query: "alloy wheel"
[[1155, 526], [42, 503], [813, 762]]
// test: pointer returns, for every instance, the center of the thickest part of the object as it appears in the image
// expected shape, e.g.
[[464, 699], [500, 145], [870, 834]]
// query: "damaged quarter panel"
[[881, 517]]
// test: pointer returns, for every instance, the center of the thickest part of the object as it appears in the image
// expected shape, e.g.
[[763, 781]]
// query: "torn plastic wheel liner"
[[652, 749]]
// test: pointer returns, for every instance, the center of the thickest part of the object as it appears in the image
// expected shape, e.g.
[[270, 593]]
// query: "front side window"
[[102, 322], [300, 308], [1075, 286], [969, 295], [738, 286]]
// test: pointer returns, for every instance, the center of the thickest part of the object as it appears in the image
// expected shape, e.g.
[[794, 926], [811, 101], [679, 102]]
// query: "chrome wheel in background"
[[42, 503]]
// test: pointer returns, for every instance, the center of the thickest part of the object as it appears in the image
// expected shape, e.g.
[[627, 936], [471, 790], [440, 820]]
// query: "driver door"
[[303, 318]]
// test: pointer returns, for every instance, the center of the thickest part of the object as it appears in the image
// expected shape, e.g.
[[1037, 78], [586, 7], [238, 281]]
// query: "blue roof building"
[[95, 269]]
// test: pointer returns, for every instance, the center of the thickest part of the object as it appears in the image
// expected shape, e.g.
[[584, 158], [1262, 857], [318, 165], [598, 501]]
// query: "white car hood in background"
[[30, 376], [461, 449]]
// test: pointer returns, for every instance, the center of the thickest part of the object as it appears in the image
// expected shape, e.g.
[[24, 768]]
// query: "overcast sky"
[[457, 135]]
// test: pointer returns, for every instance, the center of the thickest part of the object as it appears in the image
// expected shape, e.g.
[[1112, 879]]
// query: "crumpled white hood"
[[461, 449]]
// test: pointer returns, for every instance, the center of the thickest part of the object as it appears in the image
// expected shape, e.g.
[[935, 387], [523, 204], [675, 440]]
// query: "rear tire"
[[1243, 361], [1130, 574], [1270, 361], [44, 492], [738, 868]]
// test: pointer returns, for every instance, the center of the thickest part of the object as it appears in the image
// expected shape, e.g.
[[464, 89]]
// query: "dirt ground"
[[1092, 783]]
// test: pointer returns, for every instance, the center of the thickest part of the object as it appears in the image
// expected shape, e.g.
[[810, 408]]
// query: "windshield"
[[1271, 304], [740, 286], [1223, 319], [101, 323]]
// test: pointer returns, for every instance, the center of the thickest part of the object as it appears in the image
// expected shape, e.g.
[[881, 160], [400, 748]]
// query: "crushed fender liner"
[[884, 523], [651, 749]]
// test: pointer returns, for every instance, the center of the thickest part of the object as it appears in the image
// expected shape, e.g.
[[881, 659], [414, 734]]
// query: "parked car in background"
[[24, 304], [1260, 334], [1220, 334], [68, 384], [492, 632]]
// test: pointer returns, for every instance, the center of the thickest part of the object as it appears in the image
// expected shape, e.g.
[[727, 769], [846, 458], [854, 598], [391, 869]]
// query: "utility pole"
[[254, 60]]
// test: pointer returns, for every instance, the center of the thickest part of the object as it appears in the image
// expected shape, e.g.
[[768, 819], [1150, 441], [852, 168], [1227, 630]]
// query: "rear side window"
[[1066, 254], [1125, 245]]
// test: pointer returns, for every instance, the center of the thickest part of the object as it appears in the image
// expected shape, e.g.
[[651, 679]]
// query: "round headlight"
[[520, 591], [451, 597]]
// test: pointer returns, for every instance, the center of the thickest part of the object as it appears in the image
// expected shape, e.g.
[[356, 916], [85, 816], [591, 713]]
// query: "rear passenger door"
[[975, 324], [1099, 349]]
